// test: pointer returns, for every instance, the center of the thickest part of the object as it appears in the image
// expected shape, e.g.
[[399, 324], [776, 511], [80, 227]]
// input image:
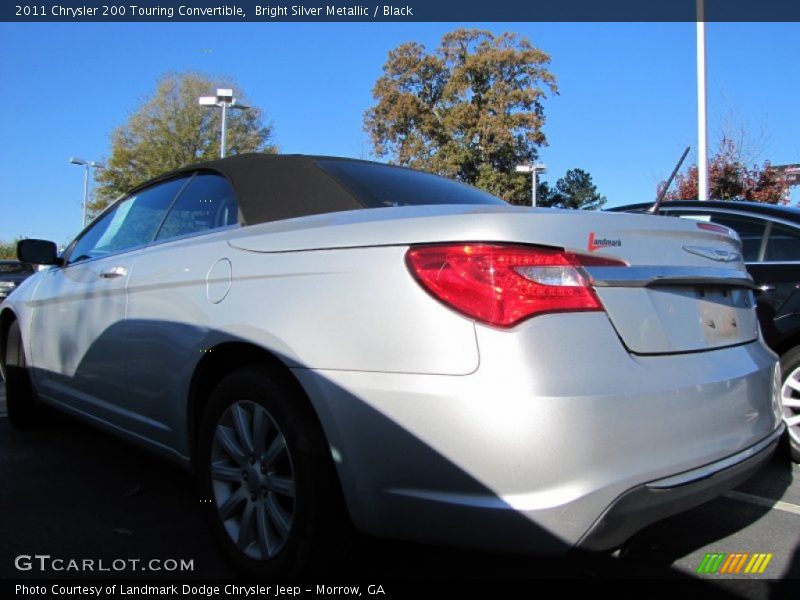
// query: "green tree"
[[471, 110], [170, 130], [574, 190], [8, 250]]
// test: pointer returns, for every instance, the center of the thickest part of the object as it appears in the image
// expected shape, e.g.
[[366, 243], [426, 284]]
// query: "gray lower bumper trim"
[[713, 468], [660, 499]]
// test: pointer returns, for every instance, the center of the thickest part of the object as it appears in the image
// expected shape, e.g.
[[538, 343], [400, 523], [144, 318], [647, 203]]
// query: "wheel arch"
[[219, 361], [7, 317], [786, 344]]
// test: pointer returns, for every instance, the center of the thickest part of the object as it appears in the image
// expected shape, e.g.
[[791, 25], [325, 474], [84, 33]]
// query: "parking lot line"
[[768, 502]]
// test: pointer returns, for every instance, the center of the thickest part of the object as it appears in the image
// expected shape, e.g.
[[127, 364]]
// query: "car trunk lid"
[[694, 294]]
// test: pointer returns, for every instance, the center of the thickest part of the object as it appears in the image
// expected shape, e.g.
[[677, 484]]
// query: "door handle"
[[114, 272]]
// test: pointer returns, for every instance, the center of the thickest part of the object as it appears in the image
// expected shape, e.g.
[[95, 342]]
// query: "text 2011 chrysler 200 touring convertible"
[[325, 339]]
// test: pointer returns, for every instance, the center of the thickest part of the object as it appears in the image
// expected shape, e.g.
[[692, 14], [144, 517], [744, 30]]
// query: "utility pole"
[[534, 170], [86, 164], [224, 100], [702, 127]]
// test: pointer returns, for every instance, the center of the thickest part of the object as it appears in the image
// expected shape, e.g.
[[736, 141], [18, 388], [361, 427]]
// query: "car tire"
[[267, 478], [23, 406], [790, 393]]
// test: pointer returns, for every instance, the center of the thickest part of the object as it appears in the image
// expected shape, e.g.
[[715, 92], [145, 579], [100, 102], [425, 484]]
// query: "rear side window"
[[750, 230], [207, 203], [379, 186], [130, 224], [783, 244]]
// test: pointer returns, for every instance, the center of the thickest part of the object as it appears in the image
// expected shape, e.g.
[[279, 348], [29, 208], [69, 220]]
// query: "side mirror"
[[38, 252]]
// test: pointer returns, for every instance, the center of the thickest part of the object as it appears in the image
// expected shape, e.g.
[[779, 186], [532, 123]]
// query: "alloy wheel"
[[790, 400], [253, 480]]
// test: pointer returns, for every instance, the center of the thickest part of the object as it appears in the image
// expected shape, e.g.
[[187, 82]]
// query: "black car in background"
[[771, 249], [12, 273]]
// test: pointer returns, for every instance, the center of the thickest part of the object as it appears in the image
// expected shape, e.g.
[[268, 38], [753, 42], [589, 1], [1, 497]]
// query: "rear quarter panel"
[[350, 309]]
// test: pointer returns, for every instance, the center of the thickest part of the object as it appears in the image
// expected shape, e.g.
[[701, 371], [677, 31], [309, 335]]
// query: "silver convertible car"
[[330, 342]]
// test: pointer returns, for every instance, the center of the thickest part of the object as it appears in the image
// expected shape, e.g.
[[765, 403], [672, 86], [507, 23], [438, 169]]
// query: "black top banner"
[[408, 11]]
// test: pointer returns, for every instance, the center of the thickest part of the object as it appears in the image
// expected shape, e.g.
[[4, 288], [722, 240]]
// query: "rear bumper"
[[660, 499], [537, 450]]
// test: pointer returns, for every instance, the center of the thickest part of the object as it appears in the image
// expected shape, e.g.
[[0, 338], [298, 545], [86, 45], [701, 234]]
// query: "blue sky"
[[626, 108]]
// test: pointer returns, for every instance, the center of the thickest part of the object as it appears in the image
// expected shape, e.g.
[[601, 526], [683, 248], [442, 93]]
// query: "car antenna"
[[654, 209]]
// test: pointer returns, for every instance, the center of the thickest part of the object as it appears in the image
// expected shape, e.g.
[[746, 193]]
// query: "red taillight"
[[505, 284]]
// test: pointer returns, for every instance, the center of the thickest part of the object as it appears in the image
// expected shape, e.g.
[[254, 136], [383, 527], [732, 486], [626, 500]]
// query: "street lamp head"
[[540, 168], [96, 164], [523, 169], [76, 161], [224, 95], [207, 100]]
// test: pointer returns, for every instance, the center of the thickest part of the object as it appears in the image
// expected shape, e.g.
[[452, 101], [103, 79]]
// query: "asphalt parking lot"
[[73, 492]]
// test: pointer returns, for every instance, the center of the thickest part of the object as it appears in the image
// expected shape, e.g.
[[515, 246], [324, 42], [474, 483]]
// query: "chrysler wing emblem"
[[713, 253]]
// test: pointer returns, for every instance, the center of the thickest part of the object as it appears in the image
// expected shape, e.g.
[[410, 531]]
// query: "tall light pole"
[[86, 164], [702, 127], [224, 100], [534, 170]]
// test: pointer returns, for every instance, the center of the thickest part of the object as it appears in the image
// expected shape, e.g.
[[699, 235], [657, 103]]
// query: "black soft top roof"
[[271, 187]]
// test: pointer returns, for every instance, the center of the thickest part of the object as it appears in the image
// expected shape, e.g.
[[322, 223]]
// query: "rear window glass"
[[15, 268], [783, 244], [379, 186], [750, 230]]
